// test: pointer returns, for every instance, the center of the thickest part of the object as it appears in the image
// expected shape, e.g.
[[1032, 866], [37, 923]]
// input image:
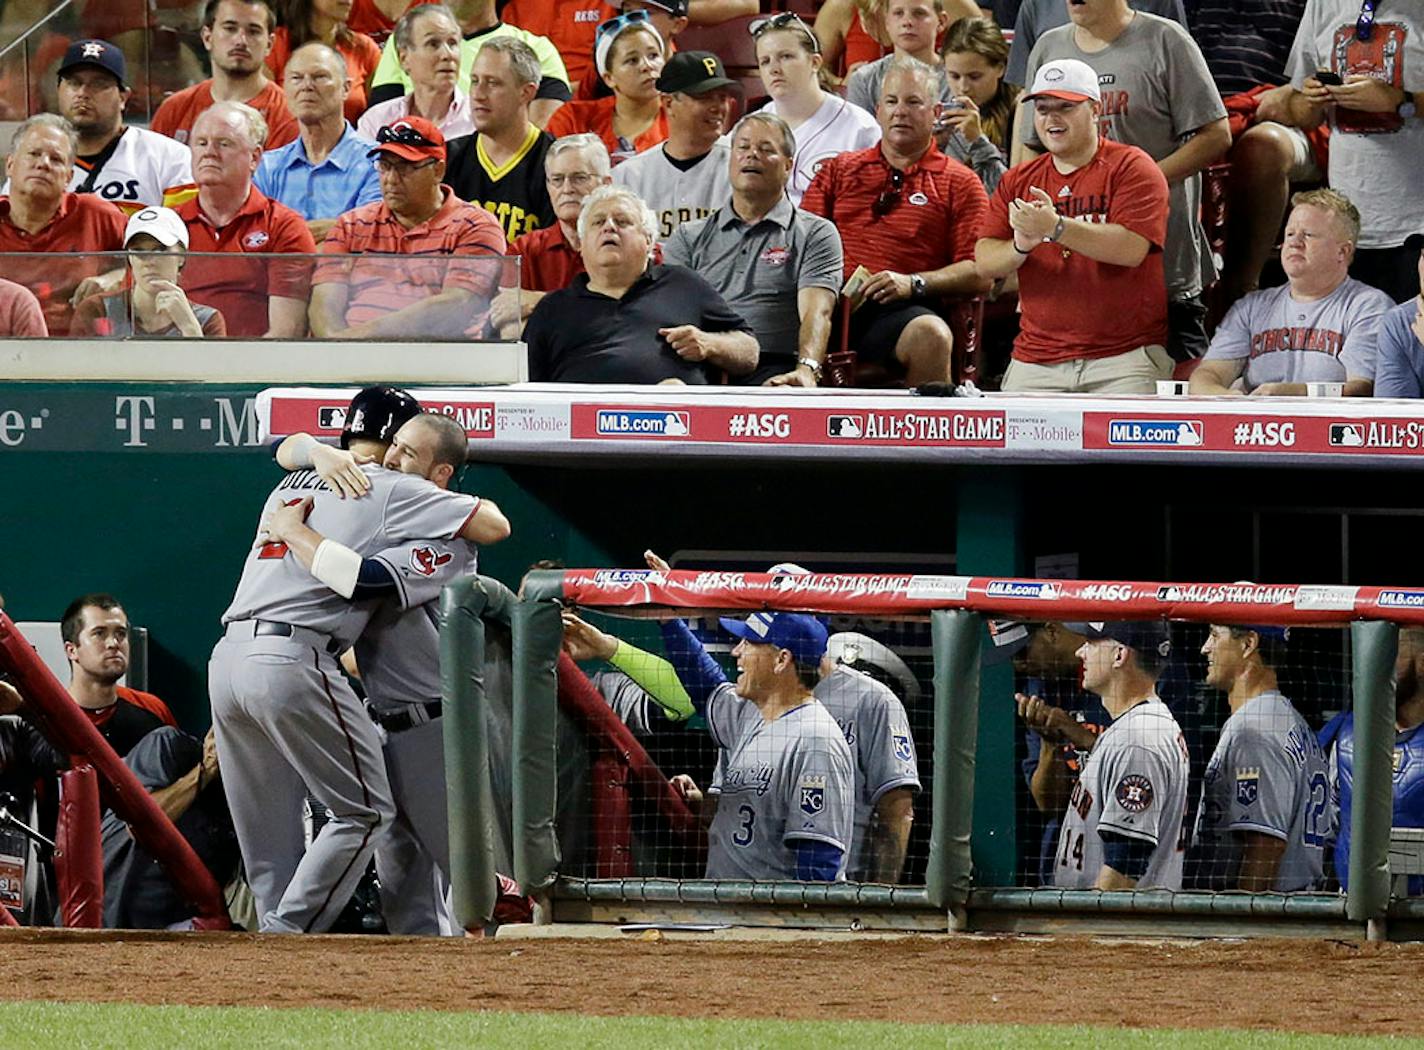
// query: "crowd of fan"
[[1057, 182]]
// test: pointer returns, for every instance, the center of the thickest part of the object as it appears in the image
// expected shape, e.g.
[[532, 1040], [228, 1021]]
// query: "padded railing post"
[[1372, 794], [78, 854], [956, 637], [538, 638], [464, 605]]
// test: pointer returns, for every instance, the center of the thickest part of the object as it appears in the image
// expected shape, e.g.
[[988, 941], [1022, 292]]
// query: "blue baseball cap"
[[99, 53], [1145, 636], [804, 637]]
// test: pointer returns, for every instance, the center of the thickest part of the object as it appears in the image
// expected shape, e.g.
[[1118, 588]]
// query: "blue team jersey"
[[1408, 791]]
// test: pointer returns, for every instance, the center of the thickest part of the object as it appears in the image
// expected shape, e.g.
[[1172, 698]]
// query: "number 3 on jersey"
[[743, 835], [276, 550]]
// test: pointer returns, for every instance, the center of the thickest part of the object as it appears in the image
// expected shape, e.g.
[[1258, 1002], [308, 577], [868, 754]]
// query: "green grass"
[[82, 1026]]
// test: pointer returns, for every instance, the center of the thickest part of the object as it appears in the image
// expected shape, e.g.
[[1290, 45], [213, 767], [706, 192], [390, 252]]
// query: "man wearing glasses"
[[1358, 66], [359, 292], [908, 216]]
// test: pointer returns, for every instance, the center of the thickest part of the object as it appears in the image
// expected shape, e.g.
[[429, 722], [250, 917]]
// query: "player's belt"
[[242, 630], [408, 717]]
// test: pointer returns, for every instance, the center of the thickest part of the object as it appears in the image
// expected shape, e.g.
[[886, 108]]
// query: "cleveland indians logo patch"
[[425, 560], [1134, 793]]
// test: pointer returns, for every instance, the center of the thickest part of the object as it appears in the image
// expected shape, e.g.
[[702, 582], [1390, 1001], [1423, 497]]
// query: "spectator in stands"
[[1159, 96], [1083, 227], [360, 293], [95, 630], [794, 75], [630, 54], [326, 171], [129, 166], [669, 18], [40, 215], [1399, 350], [915, 27], [151, 304], [258, 292], [377, 18], [978, 120], [1376, 134], [638, 322], [20, 314], [776, 265], [686, 177], [324, 21], [908, 216], [1318, 327], [238, 36], [549, 258], [1036, 17], [477, 21], [427, 45], [501, 166], [852, 33]]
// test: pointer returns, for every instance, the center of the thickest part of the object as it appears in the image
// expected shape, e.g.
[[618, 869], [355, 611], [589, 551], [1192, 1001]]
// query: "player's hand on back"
[[276, 523], [341, 470]]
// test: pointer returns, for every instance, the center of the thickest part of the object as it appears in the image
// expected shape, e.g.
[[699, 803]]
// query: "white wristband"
[[300, 449], [337, 566]]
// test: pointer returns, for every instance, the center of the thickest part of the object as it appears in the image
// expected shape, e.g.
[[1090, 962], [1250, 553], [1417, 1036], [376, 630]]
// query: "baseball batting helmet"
[[376, 413]]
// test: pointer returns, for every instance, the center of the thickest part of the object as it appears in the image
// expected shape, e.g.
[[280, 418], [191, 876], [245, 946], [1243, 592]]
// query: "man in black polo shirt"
[[626, 321]]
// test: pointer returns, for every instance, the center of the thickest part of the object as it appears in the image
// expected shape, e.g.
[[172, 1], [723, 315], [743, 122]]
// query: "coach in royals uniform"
[[778, 266], [1122, 828], [1318, 327], [909, 215], [686, 177], [1083, 226], [438, 289], [501, 166], [1265, 805], [258, 292]]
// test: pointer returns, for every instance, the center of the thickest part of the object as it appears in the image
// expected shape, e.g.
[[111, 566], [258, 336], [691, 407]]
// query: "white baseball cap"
[[1065, 78], [162, 224]]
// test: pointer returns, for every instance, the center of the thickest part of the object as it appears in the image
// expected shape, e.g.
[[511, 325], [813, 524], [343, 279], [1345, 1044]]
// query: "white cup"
[[1324, 389], [1171, 388]]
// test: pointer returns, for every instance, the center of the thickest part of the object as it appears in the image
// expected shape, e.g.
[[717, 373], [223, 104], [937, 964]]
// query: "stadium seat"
[[965, 317]]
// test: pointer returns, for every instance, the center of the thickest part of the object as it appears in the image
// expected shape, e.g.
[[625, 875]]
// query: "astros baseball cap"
[[693, 73], [98, 53], [410, 138], [1143, 635], [801, 635], [162, 224], [1065, 78]]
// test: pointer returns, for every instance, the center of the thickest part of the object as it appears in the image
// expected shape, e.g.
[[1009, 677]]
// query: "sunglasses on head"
[[785, 20], [1365, 24], [620, 22], [406, 136], [890, 196]]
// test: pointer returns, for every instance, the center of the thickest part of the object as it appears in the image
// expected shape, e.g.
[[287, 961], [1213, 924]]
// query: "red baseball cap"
[[410, 138]]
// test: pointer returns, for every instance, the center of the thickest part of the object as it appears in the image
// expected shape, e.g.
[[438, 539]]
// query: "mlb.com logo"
[[1155, 433], [619, 423], [1023, 589], [618, 576], [1401, 599]]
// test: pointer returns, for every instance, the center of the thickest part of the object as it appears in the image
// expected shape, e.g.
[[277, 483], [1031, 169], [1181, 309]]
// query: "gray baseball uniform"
[[1134, 784], [782, 781], [838, 126], [1285, 341], [629, 701], [676, 194], [286, 720], [1267, 775], [1156, 91]]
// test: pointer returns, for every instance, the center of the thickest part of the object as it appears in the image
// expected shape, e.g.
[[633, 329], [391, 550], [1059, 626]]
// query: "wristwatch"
[[919, 288], [1405, 109], [1052, 238]]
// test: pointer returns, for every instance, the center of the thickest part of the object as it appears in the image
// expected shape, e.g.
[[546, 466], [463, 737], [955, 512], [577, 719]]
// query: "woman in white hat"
[[151, 304]]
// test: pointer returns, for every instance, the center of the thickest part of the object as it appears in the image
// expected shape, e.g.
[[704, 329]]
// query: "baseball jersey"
[[1408, 792], [877, 731], [1266, 775], [678, 194], [275, 586], [784, 780], [627, 699], [145, 169], [1374, 157], [1135, 785], [837, 127], [1286, 341], [399, 651], [514, 192], [1156, 91], [1062, 293]]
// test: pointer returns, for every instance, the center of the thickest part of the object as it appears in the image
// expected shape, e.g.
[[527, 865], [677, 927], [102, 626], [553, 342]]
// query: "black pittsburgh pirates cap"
[[693, 73]]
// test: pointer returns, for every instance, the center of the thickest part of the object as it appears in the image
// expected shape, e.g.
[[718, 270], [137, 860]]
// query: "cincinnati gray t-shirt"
[[398, 507], [783, 780], [1267, 775], [1037, 17], [1287, 341], [678, 196], [1156, 90]]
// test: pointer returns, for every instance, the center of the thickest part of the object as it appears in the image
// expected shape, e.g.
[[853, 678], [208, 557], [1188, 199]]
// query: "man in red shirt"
[[95, 630], [360, 293], [238, 36], [40, 215], [908, 215], [1083, 225], [257, 291], [569, 24]]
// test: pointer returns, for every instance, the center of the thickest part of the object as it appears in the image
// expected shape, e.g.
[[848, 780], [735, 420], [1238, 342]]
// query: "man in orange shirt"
[[357, 294], [238, 36]]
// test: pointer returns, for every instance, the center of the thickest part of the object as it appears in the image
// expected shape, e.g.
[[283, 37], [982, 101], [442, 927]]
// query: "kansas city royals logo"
[[1134, 792], [1248, 786], [904, 749], [813, 795], [425, 560]]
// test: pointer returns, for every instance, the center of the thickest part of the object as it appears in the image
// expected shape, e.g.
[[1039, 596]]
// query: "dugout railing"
[[963, 881]]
